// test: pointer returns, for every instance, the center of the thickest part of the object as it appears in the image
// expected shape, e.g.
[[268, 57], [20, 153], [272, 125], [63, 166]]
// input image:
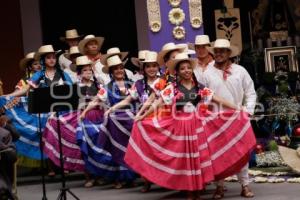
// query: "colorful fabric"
[[186, 152], [27, 125], [98, 161], [38, 79], [71, 151]]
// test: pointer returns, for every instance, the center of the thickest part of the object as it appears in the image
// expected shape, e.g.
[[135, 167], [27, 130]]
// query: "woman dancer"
[[114, 132], [191, 147], [140, 92]]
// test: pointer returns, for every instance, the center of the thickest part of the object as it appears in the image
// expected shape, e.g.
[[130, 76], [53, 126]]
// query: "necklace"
[[50, 75]]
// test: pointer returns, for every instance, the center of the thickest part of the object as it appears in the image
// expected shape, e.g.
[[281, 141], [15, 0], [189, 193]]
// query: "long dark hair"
[[145, 80], [197, 85], [111, 69], [57, 66], [28, 68]]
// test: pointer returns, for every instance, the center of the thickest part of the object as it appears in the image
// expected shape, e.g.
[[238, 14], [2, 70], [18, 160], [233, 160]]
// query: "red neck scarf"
[[94, 58], [227, 71]]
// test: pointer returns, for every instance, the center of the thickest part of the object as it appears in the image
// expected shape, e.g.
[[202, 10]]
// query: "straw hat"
[[200, 40], [70, 35], [224, 44], [44, 50], [186, 48], [112, 52], [83, 60], [181, 57], [150, 57], [110, 62], [166, 49], [73, 51], [141, 57], [87, 39], [24, 62], [290, 157]]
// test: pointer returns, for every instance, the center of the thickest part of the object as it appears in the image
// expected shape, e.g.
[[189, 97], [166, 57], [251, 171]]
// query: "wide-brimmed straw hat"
[[200, 40], [110, 62], [112, 52], [186, 48], [179, 58], [141, 57], [87, 39], [224, 44], [24, 62], [72, 51], [290, 157], [150, 57], [83, 60], [45, 49], [71, 35], [166, 49]]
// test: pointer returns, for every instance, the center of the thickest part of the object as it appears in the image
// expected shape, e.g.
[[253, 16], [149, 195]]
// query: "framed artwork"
[[281, 58]]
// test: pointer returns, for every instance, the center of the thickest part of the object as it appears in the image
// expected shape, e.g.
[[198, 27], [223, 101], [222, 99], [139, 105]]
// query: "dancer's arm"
[[21, 92], [146, 105], [121, 104], [153, 107], [224, 102], [95, 102]]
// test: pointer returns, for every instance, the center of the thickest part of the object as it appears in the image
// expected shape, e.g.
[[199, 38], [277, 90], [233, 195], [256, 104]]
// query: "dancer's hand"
[[138, 118], [82, 115], [108, 112]]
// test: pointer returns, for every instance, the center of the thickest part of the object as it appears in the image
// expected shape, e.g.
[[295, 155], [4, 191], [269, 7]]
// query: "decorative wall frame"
[[228, 25], [281, 58], [195, 9], [154, 17], [174, 3], [176, 16]]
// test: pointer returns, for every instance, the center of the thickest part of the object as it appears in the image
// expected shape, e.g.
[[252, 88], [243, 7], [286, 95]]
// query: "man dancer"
[[204, 57], [233, 83]]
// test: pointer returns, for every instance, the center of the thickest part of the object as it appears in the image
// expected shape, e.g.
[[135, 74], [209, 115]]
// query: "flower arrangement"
[[179, 32], [176, 16], [174, 3], [196, 22], [155, 26]]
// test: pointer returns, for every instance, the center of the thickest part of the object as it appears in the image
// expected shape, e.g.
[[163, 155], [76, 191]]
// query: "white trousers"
[[243, 177]]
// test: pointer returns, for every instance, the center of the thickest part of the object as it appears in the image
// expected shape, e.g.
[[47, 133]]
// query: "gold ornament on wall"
[[179, 32], [154, 17], [195, 9], [174, 3], [176, 16]]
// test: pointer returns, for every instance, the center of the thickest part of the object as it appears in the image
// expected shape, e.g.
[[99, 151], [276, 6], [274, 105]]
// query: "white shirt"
[[105, 78], [237, 89], [137, 76], [64, 62], [72, 74], [199, 72]]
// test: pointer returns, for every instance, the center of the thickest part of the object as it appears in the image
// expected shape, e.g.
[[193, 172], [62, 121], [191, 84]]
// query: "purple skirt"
[[71, 151], [115, 133]]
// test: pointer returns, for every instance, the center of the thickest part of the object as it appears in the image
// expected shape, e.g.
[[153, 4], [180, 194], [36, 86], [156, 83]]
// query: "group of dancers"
[[180, 121]]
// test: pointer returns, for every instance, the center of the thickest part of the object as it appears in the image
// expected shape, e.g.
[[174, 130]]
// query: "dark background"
[[113, 19]]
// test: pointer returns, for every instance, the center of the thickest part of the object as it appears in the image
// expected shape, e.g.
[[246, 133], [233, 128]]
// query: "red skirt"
[[187, 150]]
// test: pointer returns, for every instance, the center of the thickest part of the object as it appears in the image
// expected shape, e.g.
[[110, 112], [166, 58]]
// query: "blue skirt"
[[27, 125]]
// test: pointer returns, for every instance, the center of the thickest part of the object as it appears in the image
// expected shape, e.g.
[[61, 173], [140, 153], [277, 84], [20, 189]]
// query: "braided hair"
[[57, 67], [28, 69]]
